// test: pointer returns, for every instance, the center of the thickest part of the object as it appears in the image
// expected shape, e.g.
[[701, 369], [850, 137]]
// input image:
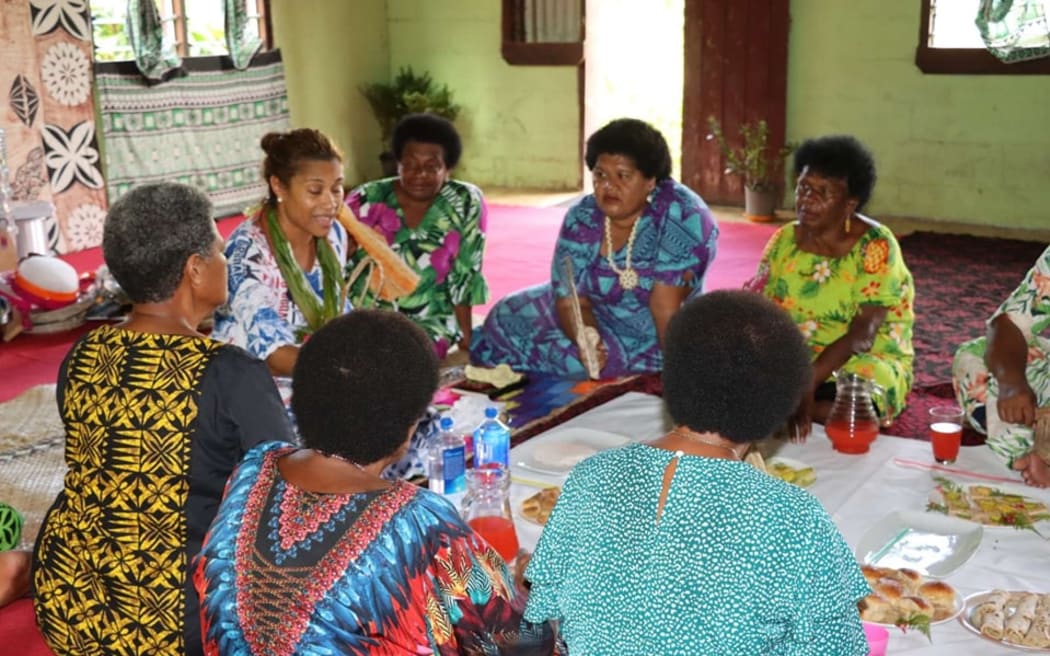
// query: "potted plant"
[[409, 93], [763, 169]]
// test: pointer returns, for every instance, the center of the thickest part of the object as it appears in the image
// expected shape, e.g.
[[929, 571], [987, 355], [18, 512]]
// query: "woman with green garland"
[[286, 260], [435, 224]]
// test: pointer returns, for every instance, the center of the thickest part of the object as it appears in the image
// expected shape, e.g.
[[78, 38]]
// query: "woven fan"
[[389, 278], [1041, 441]]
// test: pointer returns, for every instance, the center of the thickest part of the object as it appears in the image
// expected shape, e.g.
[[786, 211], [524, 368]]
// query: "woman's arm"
[[1006, 357], [466, 325], [282, 361], [859, 338], [664, 301]]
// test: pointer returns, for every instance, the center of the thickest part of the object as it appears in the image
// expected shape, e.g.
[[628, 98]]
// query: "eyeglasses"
[[429, 169], [821, 194]]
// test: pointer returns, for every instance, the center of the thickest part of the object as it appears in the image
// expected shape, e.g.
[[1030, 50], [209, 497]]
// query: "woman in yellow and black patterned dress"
[[156, 417]]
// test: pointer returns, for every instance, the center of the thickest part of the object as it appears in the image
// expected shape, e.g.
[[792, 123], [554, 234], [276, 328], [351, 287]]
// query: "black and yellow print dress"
[[154, 426]]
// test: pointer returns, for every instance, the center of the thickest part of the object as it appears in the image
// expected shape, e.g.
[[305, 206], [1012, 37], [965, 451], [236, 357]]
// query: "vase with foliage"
[[408, 93], [761, 166]]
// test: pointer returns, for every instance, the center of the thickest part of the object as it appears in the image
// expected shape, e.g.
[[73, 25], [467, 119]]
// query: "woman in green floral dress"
[[841, 277], [1001, 379], [435, 224]]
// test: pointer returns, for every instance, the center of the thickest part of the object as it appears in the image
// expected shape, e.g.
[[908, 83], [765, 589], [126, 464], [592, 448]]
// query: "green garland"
[[317, 312]]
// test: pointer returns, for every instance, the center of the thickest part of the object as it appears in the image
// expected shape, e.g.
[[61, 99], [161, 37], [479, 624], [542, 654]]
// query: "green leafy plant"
[[408, 93], [761, 167]]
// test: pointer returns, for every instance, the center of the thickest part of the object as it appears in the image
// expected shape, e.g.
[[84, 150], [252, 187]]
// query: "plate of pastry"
[[791, 471], [931, 544], [994, 506], [538, 507], [1014, 619], [560, 449], [903, 597]]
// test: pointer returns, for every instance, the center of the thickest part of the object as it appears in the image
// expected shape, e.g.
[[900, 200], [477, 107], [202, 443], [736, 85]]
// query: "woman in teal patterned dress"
[[640, 245], [676, 546], [437, 226], [1000, 380]]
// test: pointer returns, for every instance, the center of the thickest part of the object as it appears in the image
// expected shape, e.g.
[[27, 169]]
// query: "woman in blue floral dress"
[[639, 246], [435, 224]]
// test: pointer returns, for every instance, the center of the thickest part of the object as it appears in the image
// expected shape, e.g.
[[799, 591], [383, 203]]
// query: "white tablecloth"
[[857, 491]]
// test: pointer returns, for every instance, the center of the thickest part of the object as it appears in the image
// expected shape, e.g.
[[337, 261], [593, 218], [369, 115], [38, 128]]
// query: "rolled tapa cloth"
[[390, 278], [1021, 619], [995, 603]]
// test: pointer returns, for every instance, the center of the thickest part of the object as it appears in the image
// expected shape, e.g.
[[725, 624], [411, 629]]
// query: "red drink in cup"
[[946, 433], [499, 533]]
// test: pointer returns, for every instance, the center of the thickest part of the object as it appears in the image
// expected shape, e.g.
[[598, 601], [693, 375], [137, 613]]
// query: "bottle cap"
[[446, 423], [491, 412]]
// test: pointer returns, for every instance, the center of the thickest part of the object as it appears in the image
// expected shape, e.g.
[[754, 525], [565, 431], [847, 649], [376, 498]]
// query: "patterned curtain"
[[241, 47], [202, 129], [154, 56], [1014, 30], [49, 116]]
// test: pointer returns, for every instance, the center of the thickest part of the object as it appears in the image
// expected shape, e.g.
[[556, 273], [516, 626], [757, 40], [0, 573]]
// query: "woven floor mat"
[[31, 456]]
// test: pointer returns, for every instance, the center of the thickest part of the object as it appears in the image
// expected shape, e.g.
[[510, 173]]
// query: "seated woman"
[[435, 224], [1001, 380], [313, 552], [841, 277], [286, 261], [677, 546], [638, 247], [156, 418]]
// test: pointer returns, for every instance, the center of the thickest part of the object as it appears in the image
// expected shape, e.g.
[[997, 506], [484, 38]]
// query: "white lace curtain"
[[155, 56], [1015, 30]]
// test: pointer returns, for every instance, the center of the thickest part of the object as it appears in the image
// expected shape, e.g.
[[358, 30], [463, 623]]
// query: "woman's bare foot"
[[1034, 470]]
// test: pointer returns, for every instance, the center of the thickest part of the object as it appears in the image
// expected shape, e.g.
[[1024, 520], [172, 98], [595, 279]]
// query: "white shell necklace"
[[628, 276]]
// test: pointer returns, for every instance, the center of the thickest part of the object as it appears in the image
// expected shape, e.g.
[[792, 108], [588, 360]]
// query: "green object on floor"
[[10, 527]]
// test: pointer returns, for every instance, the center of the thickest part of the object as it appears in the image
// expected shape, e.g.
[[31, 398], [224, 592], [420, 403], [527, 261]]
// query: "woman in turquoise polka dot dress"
[[677, 546]]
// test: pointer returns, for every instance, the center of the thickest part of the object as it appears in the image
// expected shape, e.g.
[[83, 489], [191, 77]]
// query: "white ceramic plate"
[[1030, 495], [975, 600], [957, 610], [932, 544], [790, 462], [560, 449]]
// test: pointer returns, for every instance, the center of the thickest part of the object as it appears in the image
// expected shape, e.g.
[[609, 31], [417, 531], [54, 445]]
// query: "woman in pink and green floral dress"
[[435, 224], [841, 277]]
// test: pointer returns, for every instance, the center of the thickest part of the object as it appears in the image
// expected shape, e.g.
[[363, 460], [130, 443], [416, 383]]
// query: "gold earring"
[[847, 221], [280, 200]]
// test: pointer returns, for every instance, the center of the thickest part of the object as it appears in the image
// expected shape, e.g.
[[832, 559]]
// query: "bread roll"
[[941, 595], [909, 606], [875, 608], [871, 574], [910, 579], [889, 588]]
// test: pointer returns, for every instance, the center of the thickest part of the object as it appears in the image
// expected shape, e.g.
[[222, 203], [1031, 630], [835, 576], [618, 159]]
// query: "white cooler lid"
[[33, 209]]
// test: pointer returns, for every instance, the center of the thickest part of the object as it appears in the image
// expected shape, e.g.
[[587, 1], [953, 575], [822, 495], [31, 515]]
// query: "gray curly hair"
[[149, 234]]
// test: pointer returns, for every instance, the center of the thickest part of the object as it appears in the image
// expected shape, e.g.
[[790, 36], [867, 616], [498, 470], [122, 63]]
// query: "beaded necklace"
[[628, 276]]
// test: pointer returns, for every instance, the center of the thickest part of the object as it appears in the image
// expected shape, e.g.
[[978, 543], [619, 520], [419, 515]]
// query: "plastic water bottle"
[[492, 441], [447, 461]]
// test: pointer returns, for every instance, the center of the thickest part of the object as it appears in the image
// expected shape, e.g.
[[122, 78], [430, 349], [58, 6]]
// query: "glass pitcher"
[[486, 508], [852, 425]]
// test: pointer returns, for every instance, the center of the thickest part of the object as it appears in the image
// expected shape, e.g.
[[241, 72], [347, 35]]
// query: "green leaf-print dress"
[[822, 294], [1029, 309]]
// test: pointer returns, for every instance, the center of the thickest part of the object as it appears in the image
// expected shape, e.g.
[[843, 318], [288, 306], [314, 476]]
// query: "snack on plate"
[[499, 376], [987, 505], [1017, 618], [905, 598], [802, 477], [538, 507]]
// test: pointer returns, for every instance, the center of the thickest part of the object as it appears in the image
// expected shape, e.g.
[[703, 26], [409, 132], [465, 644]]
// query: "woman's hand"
[[521, 562], [1016, 404], [590, 338], [800, 424]]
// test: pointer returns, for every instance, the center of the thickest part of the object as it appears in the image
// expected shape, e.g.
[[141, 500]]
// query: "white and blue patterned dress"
[[739, 563]]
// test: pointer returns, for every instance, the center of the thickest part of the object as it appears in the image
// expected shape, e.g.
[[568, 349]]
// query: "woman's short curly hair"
[[149, 234], [285, 151], [735, 364], [361, 382], [632, 138], [431, 129], [840, 156]]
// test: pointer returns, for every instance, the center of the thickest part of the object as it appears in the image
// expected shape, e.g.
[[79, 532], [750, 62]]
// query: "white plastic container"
[[31, 222]]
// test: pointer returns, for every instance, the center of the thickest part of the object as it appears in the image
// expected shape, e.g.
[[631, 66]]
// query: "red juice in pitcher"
[[499, 533], [855, 438]]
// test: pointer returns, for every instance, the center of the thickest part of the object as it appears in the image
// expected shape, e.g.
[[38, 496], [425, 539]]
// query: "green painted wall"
[[520, 124], [972, 149], [330, 47]]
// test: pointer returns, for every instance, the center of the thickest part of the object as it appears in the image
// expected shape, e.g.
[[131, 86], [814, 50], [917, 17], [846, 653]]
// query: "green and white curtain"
[[155, 56], [201, 129], [1015, 30]]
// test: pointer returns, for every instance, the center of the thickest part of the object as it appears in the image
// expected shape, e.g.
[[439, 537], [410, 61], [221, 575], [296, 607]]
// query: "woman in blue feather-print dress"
[[639, 247]]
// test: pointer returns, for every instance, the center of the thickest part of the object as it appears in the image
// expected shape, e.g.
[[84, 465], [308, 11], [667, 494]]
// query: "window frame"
[[967, 61], [521, 53]]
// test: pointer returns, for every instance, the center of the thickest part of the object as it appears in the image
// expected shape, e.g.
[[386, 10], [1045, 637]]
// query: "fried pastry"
[[538, 507]]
